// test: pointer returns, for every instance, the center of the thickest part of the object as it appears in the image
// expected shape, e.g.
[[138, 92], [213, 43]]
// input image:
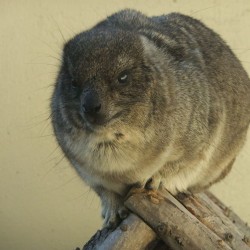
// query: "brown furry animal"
[[160, 100]]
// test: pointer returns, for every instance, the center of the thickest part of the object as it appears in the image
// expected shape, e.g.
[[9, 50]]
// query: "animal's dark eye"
[[123, 77]]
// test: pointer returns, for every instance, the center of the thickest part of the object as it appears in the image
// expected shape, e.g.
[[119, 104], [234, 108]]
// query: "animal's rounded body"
[[139, 98]]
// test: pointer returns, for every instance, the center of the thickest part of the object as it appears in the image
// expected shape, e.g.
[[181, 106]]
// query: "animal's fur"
[[181, 118]]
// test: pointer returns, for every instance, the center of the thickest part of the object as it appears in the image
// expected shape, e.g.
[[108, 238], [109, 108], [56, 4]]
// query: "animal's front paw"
[[154, 183], [183, 195], [113, 210], [148, 187]]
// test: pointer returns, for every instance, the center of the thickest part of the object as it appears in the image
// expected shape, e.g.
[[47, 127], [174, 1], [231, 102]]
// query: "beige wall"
[[43, 204]]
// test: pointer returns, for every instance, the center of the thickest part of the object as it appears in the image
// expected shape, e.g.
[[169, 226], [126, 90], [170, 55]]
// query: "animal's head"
[[106, 80]]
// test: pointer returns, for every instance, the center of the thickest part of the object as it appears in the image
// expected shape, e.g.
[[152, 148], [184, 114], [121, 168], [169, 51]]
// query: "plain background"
[[43, 203]]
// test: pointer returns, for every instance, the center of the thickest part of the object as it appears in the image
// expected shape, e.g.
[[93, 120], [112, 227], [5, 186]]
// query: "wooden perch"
[[123, 236], [160, 221], [213, 217]]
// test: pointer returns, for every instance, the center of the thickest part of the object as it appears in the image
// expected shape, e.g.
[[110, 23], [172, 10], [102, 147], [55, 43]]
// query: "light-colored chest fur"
[[117, 164], [113, 164]]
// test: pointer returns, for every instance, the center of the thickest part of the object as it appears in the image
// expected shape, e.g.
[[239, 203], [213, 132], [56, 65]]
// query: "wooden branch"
[[162, 221], [97, 239], [174, 224], [241, 225], [212, 216], [124, 237]]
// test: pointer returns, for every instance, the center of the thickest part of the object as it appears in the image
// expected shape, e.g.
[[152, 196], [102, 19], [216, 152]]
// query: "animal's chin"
[[93, 127]]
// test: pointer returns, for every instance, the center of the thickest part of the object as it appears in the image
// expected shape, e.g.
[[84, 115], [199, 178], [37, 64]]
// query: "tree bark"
[[132, 233], [212, 216], [160, 221], [173, 223], [239, 223]]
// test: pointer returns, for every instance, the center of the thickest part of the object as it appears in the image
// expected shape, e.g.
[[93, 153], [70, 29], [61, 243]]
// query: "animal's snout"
[[91, 107], [91, 104]]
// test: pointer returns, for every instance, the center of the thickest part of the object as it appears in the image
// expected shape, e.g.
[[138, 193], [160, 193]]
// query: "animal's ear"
[[157, 42], [150, 49]]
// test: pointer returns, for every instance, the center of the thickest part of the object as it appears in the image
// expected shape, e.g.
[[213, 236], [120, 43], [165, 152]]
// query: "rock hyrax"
[[142, 98]]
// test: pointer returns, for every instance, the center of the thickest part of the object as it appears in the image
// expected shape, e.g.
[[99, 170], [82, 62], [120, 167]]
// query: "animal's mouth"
[[116, 116], [99, 123]]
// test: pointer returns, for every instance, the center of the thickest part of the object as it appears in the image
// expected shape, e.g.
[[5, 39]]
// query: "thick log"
[[97, 239], [173, 223], [212, 216], [193, 222], [132, 233], [239, 223]]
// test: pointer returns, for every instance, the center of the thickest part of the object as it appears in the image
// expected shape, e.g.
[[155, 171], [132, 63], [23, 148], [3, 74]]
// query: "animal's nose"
[[91, 104]]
